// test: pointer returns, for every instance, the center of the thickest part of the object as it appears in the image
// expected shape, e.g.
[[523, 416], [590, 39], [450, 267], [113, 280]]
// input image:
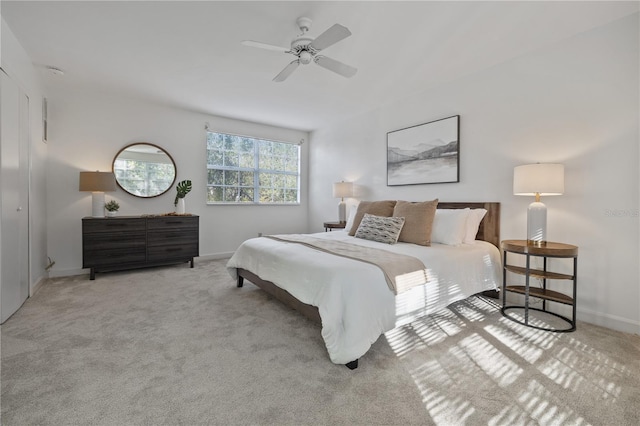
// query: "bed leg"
[[352, 365], [240, 281]]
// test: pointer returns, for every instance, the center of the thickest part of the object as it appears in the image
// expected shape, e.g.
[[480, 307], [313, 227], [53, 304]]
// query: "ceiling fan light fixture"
[[305, 57]]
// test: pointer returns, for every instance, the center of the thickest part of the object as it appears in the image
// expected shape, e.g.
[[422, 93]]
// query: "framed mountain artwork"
[[426, 153]]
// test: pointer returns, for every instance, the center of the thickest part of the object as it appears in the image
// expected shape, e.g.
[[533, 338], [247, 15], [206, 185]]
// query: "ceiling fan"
[[306, 49]]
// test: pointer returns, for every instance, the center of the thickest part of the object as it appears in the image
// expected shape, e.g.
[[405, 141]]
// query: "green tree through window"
[[246, 170]]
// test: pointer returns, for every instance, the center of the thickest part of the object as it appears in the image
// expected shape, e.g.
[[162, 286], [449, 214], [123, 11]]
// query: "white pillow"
[[473, 223], [450, 226], [352, 216]]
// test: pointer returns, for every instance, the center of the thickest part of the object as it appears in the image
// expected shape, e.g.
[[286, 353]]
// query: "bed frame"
[[489, 231]]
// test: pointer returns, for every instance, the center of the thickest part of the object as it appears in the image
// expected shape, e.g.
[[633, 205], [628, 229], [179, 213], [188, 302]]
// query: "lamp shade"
[[541, 179], [342, 189], [97, 181]]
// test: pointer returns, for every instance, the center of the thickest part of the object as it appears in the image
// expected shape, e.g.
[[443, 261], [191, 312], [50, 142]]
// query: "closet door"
[[14, 189]]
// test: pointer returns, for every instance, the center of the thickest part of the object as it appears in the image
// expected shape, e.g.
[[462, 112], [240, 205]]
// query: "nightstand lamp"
[[341, 190], [537, 180], [97, 183]]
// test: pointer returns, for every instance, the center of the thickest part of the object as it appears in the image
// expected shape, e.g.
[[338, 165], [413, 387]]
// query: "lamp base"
[[537, 224], [97, 204], [342, 212]]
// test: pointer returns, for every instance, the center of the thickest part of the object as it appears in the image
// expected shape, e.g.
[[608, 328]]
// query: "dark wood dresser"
[[127, 242]]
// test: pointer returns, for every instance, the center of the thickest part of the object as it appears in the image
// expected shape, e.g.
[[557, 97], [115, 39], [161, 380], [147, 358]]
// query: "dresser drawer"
[[115, 225], [176, 251], [172, 237], [115, 256], [108, 240], [172, 222]]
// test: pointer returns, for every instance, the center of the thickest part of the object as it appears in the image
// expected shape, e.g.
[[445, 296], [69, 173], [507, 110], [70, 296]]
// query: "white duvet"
[[355, 303]]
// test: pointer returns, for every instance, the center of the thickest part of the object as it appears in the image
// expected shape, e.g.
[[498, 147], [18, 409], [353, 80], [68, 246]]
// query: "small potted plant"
[[112, 207], [182, 189]]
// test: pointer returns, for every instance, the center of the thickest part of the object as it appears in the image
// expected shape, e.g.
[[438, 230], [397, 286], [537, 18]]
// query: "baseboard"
[[613, 322], [72, 272], [58, 273], [37, 286], [214, 256]]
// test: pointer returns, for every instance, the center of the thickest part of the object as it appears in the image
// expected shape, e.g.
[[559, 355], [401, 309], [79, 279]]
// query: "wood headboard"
[[489, 227]]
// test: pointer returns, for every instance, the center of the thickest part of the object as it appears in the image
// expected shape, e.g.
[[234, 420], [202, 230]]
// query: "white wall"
[[17, 64], [576, 103], [87, 129]]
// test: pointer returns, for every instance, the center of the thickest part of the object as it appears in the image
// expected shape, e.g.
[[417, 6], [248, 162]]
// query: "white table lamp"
[[342, 190], [97, 183], [536, 180]]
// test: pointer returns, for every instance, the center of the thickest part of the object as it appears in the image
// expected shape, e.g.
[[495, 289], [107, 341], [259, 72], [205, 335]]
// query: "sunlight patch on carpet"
[[535, 402]]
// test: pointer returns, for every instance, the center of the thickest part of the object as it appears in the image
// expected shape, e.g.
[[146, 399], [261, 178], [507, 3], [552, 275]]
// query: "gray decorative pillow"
[[381, 229]]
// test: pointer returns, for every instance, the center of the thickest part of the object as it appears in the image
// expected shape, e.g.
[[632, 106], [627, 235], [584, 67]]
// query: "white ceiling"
[[188, 54]]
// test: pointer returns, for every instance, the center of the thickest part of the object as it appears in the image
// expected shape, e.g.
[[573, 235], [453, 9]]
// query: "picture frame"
[[424, 154]]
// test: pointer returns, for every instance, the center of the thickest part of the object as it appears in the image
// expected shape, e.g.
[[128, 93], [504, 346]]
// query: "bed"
[[351, 299]]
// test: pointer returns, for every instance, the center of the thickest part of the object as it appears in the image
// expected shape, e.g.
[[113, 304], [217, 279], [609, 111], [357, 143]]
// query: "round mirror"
[[144, 170]]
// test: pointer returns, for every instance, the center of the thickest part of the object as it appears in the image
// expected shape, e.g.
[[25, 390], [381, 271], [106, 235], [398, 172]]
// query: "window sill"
[[253, 204]]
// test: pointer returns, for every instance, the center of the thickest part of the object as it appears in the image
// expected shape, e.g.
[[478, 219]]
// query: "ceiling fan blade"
[[259, 45], [330, 37], [286, 72], [336, 66]]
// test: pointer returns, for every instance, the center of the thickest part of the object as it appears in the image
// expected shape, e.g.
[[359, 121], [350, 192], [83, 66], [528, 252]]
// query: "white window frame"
[[256, 170]]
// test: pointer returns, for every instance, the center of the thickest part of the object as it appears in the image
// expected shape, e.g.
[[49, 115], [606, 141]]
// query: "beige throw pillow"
[[418, 221], [376, 208]]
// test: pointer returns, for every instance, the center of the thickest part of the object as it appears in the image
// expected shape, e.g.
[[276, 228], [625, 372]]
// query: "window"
[[246, 170]]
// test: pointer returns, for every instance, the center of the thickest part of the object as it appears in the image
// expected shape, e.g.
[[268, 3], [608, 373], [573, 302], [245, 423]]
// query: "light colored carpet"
[[175, 345]]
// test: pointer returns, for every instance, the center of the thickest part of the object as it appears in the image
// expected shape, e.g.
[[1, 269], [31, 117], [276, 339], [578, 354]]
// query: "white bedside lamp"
[[97, 183], [342, 190], [538, 179]]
